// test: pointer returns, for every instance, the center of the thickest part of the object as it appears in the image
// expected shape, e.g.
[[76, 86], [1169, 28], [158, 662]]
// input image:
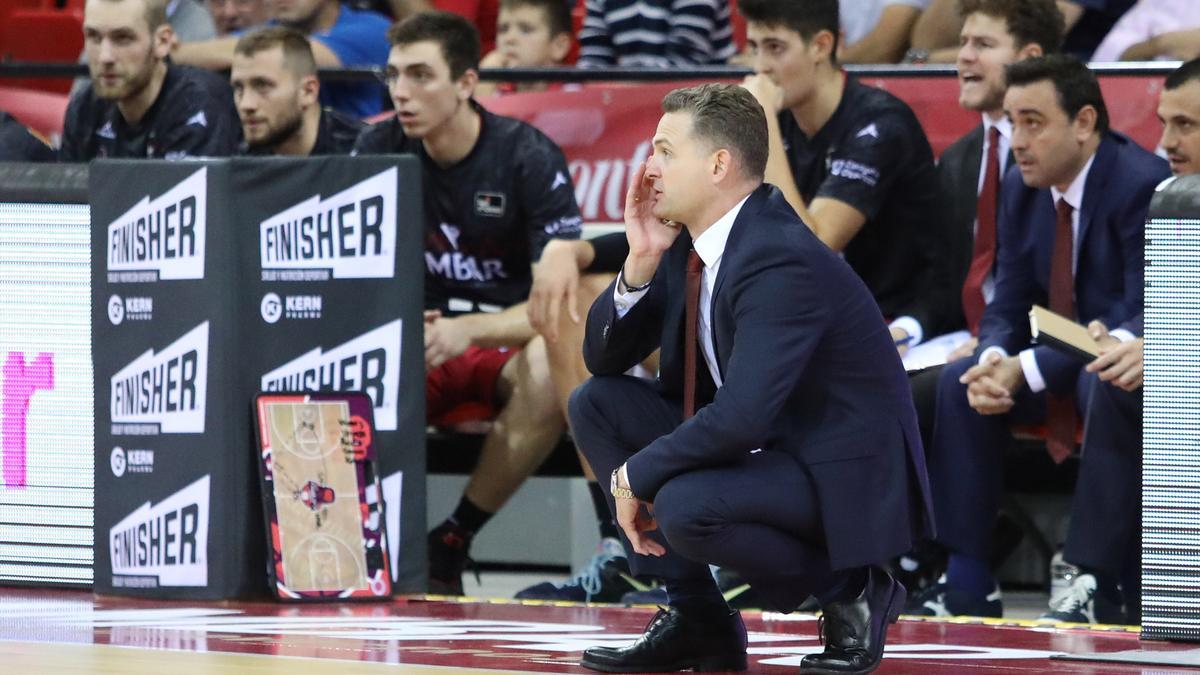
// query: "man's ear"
[[1029, 51], [1085, 122], [722, 165], [466, 83], [821, 46], [310, 91], [163, 41]]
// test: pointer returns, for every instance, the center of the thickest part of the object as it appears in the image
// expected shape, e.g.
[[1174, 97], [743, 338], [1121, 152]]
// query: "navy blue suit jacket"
[[809, 369], [1109, 267]]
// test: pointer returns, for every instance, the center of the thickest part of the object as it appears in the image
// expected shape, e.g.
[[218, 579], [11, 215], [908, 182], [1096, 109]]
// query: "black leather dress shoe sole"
[[699, 664]]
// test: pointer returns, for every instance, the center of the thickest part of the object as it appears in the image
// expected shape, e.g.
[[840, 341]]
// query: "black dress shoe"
[[673, 641], [854, 631]]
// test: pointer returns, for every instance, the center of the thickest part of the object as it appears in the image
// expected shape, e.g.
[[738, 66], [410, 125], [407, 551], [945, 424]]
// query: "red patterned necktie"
[[1061, 417], [691, 304], [984, 252]]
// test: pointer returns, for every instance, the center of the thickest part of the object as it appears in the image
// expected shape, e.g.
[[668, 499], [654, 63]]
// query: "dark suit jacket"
[[809, 369], [1108, 271]]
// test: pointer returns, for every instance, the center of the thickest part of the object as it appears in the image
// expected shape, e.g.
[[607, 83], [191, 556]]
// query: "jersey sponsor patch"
[[489, 204]]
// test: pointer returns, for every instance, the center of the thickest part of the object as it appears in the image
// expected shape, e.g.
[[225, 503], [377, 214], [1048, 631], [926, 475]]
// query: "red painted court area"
[[506, 636]]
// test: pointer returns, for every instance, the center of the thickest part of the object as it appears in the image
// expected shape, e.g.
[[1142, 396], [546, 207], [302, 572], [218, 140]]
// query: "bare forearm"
[[508, 328], [212, 54], [779, 173]]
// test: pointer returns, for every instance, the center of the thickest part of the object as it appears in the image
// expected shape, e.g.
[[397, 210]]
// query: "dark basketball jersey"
[[488, 217]]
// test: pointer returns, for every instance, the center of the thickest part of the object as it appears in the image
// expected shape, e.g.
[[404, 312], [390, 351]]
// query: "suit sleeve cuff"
[[1033, 374], [992, 350], [912, 327], [623, 302], [1122, 335]]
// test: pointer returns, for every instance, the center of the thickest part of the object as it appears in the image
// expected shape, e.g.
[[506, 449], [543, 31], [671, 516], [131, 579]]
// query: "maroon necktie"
[[984, 254], [691, 304], [1060, 410]]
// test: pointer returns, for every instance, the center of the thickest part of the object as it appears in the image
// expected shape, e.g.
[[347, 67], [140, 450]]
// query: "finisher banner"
[[212, 281], [605, 130]]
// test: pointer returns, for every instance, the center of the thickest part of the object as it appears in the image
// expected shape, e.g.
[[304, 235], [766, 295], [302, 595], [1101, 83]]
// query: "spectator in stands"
[[275, 87], [231, 16], [1154, 29], [18, 143], [1088, 21], [1070, 238], [1104, 539], [995, 33], [496, 191], [530, 34], [877, 31], [854, 163], [341, 36], [658, 33], [138, 104], [190, 20]]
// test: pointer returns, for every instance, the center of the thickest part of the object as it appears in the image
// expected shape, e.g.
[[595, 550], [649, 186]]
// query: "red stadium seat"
[[483, 13], [42, 35], [41, 111]]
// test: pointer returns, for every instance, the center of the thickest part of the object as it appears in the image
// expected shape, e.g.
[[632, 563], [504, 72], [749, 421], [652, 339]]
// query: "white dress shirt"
[[1074, 197], [710, 246]]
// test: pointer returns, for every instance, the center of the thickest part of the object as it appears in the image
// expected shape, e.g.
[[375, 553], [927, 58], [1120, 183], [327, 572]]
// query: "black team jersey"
[[193, 116], [488, 217], [873, 155]]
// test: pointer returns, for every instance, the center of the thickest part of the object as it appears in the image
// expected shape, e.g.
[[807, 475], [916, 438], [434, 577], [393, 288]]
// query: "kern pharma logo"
[[161, 238], [351, 235], [369, 363], [163, 392], [163, 544]]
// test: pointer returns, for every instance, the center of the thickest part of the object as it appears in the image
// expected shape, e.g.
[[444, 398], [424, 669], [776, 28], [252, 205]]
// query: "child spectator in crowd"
[[529, 34]]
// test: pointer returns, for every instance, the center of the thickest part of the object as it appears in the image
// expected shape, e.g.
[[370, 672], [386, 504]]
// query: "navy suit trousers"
[[758, 517], [1105, 529], [966, 459]]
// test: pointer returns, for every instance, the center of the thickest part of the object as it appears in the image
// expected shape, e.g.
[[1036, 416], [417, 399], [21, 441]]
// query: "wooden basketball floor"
[[54, 631]]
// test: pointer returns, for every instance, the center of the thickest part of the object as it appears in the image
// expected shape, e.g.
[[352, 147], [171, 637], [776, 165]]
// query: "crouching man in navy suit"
[[780, 440]]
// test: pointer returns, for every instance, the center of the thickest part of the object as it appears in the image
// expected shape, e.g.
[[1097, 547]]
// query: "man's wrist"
[[619, 485], [639, 270]]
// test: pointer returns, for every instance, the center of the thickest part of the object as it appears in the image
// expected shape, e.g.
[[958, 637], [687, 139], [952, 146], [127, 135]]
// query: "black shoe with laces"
[[449, 545]]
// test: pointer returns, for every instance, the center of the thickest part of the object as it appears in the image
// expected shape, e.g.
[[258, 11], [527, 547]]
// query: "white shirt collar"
[[711, 245], [1003, 124], [1074, 193]]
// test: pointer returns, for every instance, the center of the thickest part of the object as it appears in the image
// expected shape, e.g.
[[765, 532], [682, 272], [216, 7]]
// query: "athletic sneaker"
[[605, 578], [942, 600], [1082, 604], [449, 545]]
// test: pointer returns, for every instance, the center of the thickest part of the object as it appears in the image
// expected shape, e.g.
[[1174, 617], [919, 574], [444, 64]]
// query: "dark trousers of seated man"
[[1105, 533], [966, 471], [755, 517]]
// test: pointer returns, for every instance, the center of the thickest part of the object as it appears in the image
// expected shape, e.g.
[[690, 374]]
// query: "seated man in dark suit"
[[995, 33], [1070, 237], [779, 441], [1104, 540]]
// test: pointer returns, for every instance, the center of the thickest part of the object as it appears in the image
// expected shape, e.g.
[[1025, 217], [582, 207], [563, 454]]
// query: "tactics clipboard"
[[317, 460]]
